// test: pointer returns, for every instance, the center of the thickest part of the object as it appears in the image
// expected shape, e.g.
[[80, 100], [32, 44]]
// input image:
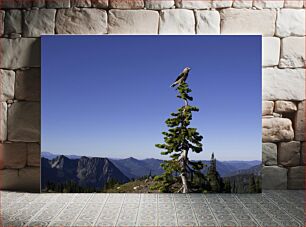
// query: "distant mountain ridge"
[[135, 168], [86, 172]]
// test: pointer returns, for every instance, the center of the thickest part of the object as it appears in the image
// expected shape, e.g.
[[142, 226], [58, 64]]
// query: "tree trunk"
[[183, 160]]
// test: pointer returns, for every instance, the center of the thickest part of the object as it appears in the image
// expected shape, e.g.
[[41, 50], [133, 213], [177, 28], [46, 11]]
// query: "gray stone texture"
[[15, 4], [3, 121], [56, 4], [20, 53], [299, 122], [26, 179], [81, 21], [283, 84], [240, 4], [191, 4], [177, 21], [269, 154], [285, 106], [100, 3], [289, 154], [293, 52], [303, 160], [33, 158], [126, 4], [80, 3], [277, 129], [39, 22], [290, 22], [274, 177], [13, 155], [2, 15], [270, 51], [39, 3], [263, 4], [27, 85], [13, 21], [221, 3], [296, 177], [140, 22], [207, 22], [267, 107], [248, 21], [293, 4], [159, 4], [24, 122], [7, 81]]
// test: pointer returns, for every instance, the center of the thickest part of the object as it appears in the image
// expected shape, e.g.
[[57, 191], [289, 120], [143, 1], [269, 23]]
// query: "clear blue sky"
[[109, 96]]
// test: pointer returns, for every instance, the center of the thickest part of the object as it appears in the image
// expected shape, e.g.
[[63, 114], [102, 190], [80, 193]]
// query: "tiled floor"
[[271, 208]]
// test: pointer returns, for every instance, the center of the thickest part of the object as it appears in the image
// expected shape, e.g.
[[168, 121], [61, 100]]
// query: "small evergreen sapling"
[[180, 172]]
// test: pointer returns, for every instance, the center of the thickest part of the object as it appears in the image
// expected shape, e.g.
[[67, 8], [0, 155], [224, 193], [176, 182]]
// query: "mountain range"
[[95, 172], [86, 172]]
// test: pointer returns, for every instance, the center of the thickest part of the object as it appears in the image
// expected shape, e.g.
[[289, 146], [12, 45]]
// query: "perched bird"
[[182, 77]]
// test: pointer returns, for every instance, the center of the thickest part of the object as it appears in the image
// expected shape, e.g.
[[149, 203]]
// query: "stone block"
[[38, 3], [269, 154], [20, 53], [293, 4], [299, 122], [221, 3], [248, 21], [177, 21], [242, 4], [293, 52], [56, 4], [303, 160], [7, 81], [13, 21], [208, 22], [159, 4], [126, 4], [285, 106], [2, 15], [192, 4], [3, 121], [283, 84], [27, 86], [277, 129], [296, 178], [267, 107], [262, 4], [26, 179], [270, 51], [24, 122], [15, 4], [140, 22], [81, 21], [33, 154], [290, 22], [289, 153], [13, 155], [274, 177], [99, 3], [80, 3], [39, 22]]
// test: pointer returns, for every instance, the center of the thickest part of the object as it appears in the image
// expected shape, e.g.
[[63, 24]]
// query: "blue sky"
[[109, 96]]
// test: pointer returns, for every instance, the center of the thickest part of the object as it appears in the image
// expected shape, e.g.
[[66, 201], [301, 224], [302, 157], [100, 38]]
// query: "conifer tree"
[[178, 142]]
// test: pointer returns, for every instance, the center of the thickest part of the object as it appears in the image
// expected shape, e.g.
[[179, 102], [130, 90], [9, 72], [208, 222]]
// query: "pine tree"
[[178, 141]]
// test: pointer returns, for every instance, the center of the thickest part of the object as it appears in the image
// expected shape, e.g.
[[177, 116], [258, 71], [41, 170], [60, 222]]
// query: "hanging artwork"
[[150, 114]]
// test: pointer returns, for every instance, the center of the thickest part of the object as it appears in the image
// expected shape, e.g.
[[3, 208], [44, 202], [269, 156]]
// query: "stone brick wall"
[[281, 22]]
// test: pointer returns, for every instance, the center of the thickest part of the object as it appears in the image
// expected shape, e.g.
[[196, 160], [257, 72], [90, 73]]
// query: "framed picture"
[[147, 114]]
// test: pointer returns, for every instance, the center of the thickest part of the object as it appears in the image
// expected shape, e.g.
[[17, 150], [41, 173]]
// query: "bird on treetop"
[[182, 77]]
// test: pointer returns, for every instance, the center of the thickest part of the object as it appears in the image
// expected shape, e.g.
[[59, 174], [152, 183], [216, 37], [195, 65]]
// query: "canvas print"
[[151, 114]]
